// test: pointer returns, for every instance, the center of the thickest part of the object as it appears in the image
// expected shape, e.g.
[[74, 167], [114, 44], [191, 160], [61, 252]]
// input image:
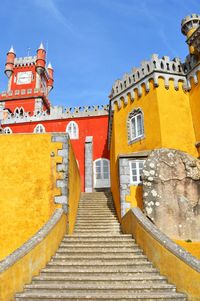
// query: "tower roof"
[[41, 46], [49, 66], [11, 50]]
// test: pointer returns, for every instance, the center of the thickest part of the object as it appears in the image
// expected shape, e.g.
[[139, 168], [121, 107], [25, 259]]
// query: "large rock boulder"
[[171, 193]]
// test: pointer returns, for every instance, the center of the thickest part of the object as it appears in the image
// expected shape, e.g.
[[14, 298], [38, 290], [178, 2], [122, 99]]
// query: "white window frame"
[[7, 130], [19, 111], [72, 134], [134, 133], [138, 172], [41, 129]]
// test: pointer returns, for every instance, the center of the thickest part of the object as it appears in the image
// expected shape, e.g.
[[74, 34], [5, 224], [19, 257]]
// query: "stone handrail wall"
[[27, 261], [164, 253], [58, 113]]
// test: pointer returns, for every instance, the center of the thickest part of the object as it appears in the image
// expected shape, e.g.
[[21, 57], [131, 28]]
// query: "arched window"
[[72, 130], [39, 129], [101, 173], [135, 125], [19, 112], [7, 130]]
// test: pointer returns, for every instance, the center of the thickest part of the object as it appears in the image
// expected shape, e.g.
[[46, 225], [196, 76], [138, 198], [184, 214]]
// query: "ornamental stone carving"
[[171, 193]]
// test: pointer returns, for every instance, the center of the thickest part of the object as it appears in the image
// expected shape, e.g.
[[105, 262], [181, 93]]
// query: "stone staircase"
[[98, 262]]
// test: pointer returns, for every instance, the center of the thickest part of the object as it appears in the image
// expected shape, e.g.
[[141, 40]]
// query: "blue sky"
[[91, 43]]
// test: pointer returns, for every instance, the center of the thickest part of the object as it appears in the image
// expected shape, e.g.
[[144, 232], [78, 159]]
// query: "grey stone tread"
[[106, 296], [112, 278], [99, 269], [97, 257], [102, 286], [97, 262]]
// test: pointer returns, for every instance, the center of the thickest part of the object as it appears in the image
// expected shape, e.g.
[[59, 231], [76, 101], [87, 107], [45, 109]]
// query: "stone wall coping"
[[135, 155], [32, 242], [165, 241]]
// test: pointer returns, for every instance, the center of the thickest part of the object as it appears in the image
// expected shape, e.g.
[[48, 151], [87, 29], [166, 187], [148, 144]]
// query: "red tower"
[[26, 109], [29, 84]]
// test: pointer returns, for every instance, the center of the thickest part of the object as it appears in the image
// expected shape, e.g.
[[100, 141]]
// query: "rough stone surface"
[[171, 193]]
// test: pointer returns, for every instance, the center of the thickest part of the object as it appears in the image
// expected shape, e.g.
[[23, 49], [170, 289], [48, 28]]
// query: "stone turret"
[[41, 59], [10, 62], [51, 80], [188, 26]]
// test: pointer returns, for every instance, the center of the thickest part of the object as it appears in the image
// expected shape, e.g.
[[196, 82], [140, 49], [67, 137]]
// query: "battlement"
[[58, 112], [190, 22], [162, 65], [23, 61]]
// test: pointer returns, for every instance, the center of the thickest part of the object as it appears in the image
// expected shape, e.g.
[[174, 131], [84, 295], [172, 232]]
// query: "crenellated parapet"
[[25, 61], [56, 113], [152, 70]]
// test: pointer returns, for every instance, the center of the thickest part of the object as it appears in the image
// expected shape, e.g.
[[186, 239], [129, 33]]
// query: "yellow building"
[[154, 106]]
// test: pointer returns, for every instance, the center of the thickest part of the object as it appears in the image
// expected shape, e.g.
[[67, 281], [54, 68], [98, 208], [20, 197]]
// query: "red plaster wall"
[[88, 126]]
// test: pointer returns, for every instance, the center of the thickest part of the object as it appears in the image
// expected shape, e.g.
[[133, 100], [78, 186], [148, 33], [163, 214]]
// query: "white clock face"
[[24, 77]]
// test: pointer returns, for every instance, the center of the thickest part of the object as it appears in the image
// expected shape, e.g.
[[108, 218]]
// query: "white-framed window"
[[7, 130], [72, 130], [136, 167], [39, 129], [135, 124]]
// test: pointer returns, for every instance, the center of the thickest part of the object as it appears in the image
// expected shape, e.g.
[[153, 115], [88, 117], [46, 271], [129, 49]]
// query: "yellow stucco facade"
[[168, 122], [28, 186]]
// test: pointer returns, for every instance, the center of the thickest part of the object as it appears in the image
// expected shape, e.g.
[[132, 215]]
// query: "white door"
[[101, 173]]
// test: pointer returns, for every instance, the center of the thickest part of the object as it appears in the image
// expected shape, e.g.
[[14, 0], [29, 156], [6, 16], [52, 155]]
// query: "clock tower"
[[29, 83]]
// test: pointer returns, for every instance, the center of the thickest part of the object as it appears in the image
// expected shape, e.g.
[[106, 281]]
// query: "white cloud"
[[52, 7]]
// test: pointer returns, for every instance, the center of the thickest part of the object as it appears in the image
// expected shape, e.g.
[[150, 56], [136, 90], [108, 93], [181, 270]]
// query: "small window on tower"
[[39, 129], [72, 130], [7, 130]]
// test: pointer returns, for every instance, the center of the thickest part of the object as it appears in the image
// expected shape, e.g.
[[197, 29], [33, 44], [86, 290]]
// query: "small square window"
[[136, 167]]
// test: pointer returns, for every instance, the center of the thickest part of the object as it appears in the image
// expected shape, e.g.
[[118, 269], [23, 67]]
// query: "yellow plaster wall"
[[135, 197], [179, 273], [119, 140], [176, 123], [13, 279], [27, 187], [168, 122], [192, 247], [195, 107], [74, 189]]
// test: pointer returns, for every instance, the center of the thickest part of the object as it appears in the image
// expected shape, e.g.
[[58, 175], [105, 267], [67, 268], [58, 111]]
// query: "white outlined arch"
[[39, 129], [73, 130]]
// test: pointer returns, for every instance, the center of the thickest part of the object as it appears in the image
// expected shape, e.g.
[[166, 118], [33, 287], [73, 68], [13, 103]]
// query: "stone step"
[[99, 235], [99, 219], [80, 296], [100, 243], [93, 206], [99, 287], [112, 278], [97, 223], [96, 257], [99, 250], [96, 248], [122, 264], [98, 238], [97, 213], [99, 228], [97, 231]]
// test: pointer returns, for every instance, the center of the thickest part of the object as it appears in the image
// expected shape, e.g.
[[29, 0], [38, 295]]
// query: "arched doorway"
[[101, 173]]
